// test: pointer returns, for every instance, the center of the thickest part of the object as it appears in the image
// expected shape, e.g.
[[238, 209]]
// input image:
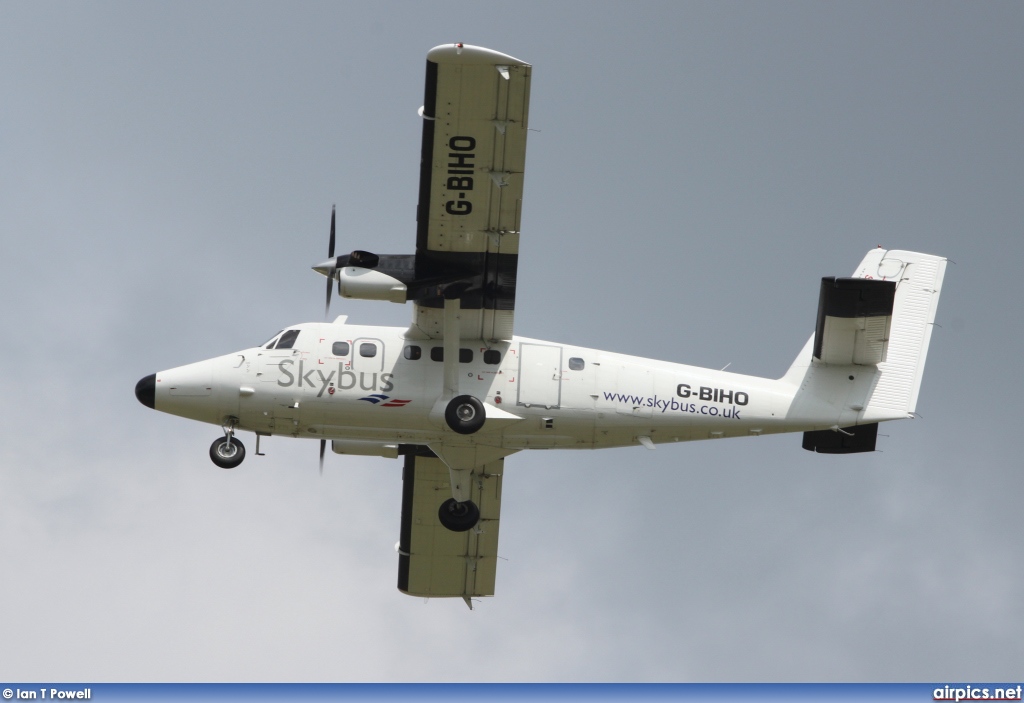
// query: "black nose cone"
[[145, 391]]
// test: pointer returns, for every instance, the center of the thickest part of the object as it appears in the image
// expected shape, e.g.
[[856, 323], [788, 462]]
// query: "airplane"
[[456, 392]]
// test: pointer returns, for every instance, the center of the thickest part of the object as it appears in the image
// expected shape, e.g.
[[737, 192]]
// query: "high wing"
[[432, 560], [475, 108]]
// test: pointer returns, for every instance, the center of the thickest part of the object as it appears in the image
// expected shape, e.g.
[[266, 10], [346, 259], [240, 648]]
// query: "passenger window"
[[575, 363], [368, 349], [492, 356], [340, 348], [287, 340], [465, 355], [412, 352]]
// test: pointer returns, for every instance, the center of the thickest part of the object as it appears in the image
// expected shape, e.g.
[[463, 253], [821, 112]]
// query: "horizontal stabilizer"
[[844, 440], [854, 320]]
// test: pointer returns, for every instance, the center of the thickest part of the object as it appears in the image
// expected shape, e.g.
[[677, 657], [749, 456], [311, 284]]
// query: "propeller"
[[327, 308], [330, 271]]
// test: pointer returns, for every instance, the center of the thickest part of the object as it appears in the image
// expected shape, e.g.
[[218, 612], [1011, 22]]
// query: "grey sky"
[[166, 178]]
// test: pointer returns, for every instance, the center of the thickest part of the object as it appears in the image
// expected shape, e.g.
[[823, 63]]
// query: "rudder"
[[919, 280]]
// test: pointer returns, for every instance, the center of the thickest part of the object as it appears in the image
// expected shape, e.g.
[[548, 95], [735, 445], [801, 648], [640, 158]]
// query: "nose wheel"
[[227, 452]]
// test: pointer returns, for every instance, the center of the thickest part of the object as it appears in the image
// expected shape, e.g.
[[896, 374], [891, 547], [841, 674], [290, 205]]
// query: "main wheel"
[[458, 517], [227, 455], [465, 414]]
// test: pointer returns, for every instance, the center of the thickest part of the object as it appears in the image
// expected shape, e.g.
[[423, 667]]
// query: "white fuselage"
[[542, 395]]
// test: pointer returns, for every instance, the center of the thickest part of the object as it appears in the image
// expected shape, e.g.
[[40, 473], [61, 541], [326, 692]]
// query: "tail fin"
[[918, 284], [871, 332]]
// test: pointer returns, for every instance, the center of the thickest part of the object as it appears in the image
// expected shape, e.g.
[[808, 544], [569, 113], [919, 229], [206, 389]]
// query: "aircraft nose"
[[145, 391]]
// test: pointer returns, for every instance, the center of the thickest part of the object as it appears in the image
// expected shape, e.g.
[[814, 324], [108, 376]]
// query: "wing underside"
[[433, 561], [476, 103]]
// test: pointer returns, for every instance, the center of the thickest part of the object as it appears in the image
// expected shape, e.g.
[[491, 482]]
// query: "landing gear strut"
[[459, 517], [227, 452], [463, 414]]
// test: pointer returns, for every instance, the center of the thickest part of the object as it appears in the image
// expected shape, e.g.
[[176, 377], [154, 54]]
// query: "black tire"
[[458, 517], [227, 456], [465, 414]]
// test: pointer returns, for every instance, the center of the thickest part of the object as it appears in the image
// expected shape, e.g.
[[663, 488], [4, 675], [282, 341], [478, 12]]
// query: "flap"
[[434, 562]]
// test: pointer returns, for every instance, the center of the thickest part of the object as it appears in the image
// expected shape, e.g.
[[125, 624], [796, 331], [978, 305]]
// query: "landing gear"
[[459, 517], [227, 452], [465, 414]]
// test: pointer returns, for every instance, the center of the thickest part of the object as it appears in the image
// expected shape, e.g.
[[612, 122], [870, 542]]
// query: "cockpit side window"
[[269, 344], [287, 340]]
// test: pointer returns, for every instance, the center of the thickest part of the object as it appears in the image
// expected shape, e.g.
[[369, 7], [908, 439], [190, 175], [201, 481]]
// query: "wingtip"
[[467, 53]]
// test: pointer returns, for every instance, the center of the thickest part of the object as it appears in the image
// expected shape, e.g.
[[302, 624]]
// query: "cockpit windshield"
[[287, 340], [269, 344]]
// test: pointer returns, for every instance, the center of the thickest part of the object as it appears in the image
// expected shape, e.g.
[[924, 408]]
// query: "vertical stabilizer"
[[865, 361]]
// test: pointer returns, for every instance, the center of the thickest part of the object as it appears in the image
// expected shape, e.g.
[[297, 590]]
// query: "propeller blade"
[[330, 246], [327, 306], [323, 447]]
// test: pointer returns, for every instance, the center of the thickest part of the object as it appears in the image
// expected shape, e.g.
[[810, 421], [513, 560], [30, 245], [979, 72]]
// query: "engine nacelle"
[[368, 284], [359, 447]]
